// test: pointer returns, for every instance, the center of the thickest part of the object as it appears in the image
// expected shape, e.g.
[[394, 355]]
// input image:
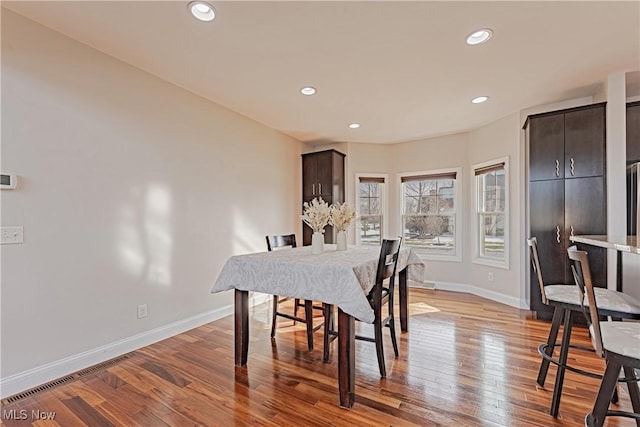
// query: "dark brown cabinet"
[[584, 142], [567, 145], [322, 176], [546, 155], [567, 193], [633, 132]]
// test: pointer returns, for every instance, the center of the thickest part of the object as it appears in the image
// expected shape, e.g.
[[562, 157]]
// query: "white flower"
[[316, 215], [341, 216]]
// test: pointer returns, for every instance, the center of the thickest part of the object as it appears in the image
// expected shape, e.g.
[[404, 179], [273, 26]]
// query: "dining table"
[[622, 244], [341, 278]]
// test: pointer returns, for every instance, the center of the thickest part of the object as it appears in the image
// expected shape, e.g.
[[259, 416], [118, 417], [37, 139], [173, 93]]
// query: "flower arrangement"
[[316, 214], [341, 216]]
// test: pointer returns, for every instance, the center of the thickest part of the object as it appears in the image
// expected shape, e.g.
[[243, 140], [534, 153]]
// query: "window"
[[491, 222], [429, 213], [370, 209]]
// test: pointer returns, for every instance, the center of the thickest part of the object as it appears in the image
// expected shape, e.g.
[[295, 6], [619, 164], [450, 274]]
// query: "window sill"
[[432, 257], [491, 263]]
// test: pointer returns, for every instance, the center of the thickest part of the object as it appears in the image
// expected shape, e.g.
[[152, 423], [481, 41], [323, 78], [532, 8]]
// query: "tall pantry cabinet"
[[322, 177], [633, 132], [566, 192]]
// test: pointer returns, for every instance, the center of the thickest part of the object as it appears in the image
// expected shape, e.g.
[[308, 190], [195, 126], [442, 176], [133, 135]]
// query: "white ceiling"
[[401, 69]]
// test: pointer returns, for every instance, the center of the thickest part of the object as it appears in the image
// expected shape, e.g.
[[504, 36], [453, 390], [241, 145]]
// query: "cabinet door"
[[586, 213], [338, 178], [546, 201], [325, 174], [584, 142], [309, 176], [633, 133], [546, 147]]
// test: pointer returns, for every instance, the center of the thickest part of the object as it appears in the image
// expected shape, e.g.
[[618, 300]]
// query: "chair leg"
[[551, 341], [601, 405], [392, 330], [328, 326], [562, 362], [634, 390], [308, 315], [296, 304], [273, 319], [377, 326]]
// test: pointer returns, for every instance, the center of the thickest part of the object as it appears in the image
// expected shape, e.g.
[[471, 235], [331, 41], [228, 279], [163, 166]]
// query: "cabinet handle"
[[573, 171], [319, 188], [572, 231], [313, 189], [557, 167], [557, 233]]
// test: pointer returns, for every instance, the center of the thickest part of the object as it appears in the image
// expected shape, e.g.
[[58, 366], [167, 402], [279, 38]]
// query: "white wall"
[[368, 159], [444, 152], [616, 162], [495, 140], [132, 191]]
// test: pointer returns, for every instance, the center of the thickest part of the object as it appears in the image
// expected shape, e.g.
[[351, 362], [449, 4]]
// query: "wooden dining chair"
[[379, 296], [617, 342], [565, 299], [282, 241]]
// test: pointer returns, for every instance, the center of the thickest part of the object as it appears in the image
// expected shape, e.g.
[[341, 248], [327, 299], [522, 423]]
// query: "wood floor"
[[466, 361]]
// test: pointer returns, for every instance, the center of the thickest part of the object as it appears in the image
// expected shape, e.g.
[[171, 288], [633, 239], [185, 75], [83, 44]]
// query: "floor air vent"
[[38, 389], [64, 380]]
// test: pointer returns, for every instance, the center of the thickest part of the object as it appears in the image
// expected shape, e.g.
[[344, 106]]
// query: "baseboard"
[[470, 289], [39, 375], [498, 297]]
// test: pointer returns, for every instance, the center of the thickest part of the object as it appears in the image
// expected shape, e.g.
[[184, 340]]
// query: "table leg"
[[404, 300], [241, 327], [308, 316], [346, 359]]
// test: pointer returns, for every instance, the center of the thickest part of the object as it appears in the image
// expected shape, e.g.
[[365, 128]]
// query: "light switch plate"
[[11, 235]]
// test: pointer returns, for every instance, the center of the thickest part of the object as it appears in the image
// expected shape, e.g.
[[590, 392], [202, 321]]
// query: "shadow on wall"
[[145, 235]]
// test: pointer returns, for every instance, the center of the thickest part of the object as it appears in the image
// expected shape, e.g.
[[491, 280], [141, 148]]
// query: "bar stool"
[[617, 342], [565, 299]]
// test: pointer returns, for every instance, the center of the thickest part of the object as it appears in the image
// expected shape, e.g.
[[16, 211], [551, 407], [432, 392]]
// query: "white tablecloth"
[[342, 278]]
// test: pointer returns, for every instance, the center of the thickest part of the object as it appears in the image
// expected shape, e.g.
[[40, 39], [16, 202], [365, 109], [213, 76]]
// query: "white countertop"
[[619, 243]]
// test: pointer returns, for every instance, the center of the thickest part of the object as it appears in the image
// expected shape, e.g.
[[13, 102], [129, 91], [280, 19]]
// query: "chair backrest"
[[535, 264], [281, 241], [387, 264], [582, 276]]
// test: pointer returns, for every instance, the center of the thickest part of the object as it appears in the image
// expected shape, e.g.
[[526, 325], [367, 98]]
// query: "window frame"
[[384, 205], [456, 256], [478, 258]]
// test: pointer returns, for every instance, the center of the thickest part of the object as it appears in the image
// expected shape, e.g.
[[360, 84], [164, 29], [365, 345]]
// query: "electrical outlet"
[[142, 311], [11, 235], [490, 276]]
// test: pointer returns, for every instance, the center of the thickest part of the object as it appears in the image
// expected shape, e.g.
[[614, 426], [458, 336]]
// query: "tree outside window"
[[370, 210], [491, 211], [428, 220]]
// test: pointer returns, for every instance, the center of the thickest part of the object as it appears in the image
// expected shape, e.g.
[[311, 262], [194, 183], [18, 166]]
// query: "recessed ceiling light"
[[202, 10], [354, 125], [308, 90], [479, 36], [479, 99]]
